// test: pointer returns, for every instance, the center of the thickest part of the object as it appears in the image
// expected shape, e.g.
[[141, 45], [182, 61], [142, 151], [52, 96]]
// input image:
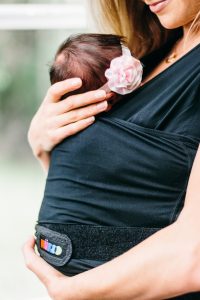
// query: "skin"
[[56, 120], [177, 13], [166, 264], [184, 17]]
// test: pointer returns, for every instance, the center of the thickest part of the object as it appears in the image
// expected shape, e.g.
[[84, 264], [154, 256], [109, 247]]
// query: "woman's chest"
[[170, 102], [121, 164]]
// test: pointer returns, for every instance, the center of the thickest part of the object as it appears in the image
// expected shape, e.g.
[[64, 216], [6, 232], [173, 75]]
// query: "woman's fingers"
[[75, 112], [37, 265], [80, 114], [57, 90], [72, 128], [80, 100]]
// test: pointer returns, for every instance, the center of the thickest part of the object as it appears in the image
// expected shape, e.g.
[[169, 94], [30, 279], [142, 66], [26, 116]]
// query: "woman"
[[166, 264]]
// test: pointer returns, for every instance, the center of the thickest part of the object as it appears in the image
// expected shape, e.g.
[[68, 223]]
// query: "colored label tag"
[[58, 250], [53, 249], [42, 244], [49, 247], [46, 245]]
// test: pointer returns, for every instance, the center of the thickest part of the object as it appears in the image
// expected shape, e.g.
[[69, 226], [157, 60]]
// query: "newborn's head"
[[86, 56]]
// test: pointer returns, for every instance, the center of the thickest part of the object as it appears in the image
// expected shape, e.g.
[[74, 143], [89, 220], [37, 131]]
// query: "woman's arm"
[[56, 120], [164, 265], [161, 267]]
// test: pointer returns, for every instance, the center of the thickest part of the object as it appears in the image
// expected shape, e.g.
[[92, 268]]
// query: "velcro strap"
[[54, 247], [88, 241]]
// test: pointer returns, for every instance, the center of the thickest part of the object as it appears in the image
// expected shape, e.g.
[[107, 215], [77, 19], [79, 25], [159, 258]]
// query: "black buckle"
[[54, 247]]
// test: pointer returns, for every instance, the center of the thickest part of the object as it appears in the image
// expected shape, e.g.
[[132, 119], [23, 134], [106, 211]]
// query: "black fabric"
[[125, 176], [55, 239], [131, 167], [90, 241]]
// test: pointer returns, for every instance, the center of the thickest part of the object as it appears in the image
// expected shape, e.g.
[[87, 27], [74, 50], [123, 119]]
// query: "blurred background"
[[30, 32]]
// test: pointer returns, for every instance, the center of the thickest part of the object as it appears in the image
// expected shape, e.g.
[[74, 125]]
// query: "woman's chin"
[[169, 24]]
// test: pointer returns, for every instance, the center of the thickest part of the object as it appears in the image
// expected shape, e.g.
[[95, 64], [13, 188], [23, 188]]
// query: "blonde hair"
[[141, 28]]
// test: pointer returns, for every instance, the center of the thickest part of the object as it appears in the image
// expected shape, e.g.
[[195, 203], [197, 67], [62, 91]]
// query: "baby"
[[101, 61]]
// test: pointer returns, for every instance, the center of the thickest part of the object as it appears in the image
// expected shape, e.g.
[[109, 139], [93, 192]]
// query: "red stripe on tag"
[[42, 243]]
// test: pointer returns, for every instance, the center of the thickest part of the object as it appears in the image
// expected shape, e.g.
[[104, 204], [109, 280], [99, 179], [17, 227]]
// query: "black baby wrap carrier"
[[125, 177]]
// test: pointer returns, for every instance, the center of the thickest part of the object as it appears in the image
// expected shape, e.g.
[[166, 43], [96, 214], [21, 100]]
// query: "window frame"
[[43, 16]]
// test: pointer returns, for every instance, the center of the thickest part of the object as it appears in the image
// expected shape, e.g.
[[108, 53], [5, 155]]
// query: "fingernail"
[[100, 94], [109, 95], [109, 107], [102, 105], [90, 120], [76, 81]]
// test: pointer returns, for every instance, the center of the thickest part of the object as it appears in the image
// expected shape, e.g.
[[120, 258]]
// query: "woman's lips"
[[156, 7]]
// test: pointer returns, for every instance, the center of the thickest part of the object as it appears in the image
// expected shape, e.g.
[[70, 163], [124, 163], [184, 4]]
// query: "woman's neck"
[[189, 39]]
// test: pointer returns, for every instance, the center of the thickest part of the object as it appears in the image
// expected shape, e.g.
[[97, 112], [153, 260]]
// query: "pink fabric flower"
[[124, 74]]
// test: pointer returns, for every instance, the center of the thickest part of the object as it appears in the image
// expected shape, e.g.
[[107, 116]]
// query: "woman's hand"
[[56, 120], [54, 281], [161, 267]]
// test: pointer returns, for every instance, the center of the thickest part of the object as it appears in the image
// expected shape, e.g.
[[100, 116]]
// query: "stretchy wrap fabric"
[[131, 167]]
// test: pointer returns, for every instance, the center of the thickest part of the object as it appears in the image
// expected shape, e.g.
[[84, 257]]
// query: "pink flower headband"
[[124, 74]]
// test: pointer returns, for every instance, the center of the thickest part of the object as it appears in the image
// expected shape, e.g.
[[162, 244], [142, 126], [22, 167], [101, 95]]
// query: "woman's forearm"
[[34, 139], [160, 267]]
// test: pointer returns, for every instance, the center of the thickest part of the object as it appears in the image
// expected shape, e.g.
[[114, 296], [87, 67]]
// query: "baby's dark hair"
[[86, 56]]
